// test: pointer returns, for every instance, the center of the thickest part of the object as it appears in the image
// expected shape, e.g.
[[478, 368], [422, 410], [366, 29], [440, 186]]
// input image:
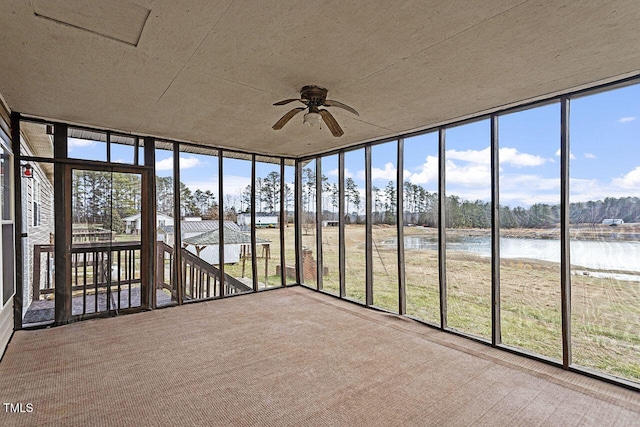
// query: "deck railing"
[[202, 280], [96, 264]]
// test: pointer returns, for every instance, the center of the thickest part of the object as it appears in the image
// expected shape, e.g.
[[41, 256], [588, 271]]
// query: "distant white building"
[[133, 225], [612, 221], [210, 253], [207, 250], [263, 220]]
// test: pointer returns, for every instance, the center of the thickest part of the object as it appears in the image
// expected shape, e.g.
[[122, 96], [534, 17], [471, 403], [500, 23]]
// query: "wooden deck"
[[42, 311]]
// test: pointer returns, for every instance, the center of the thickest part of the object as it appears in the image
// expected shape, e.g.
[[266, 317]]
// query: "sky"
[[605, 156]]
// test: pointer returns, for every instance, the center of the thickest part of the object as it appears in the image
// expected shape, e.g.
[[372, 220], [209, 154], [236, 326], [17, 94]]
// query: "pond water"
[[598, 255]]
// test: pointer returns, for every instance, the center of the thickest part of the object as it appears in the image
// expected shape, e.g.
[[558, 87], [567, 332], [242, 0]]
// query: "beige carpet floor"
[[288, 357]]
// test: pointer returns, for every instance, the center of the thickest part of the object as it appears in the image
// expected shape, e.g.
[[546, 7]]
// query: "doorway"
[[109, 247]]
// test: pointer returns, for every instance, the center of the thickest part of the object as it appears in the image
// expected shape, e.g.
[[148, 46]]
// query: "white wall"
[[211, 254]]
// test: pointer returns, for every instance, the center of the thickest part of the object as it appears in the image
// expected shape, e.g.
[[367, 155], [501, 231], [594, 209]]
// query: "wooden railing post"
[[159, 265], [36, 272]]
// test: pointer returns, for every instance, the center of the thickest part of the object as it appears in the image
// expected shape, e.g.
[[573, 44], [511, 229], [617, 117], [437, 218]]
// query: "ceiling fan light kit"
[[313, 119], [314, 97]]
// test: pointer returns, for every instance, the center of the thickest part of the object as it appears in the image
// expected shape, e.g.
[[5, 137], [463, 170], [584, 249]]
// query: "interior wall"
[[6, 302]]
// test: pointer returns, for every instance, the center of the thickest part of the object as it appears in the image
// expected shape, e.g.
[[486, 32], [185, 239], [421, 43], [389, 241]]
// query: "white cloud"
[[471, 156], [626, 119], [590, 156], [334, 172], [189, 162], [164, 164], [515, 158], [470, 175], [80, 143], [185, 163], [571, 156], [427, 172], [629, 180], [510, 156], [389, 173]]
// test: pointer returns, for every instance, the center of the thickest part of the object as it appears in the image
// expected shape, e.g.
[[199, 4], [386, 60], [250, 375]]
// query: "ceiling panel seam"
[[189, 59]]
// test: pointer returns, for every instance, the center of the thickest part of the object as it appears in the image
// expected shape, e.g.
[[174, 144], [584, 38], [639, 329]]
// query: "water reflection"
[[596, 255]]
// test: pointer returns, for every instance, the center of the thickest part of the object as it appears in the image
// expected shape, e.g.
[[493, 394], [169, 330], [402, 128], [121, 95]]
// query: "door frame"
[[63, 282]]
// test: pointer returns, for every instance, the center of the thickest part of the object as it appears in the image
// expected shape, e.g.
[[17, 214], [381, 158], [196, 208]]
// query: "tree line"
[[421, 207], [267, 195], [105, 198]]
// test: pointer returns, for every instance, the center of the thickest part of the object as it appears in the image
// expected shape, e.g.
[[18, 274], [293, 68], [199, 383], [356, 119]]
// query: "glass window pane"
[[309, 217], [330, 222], [530, 230], [37, 140], [354, 230], [468, 228], [421, 227], [199, 224], [86, 145], [122, 149], [268, 223], [236, 205], [106, 241], [385, 231], [166, 291], [289, 229], [604, 232]]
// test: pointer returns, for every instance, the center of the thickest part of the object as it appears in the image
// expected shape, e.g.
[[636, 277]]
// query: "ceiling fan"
[[314, 97]]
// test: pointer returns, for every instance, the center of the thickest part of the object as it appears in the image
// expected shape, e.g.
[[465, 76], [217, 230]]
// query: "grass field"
[[605, 311]]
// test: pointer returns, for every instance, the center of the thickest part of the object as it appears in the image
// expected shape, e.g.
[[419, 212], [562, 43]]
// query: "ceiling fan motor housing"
[[315, 94]]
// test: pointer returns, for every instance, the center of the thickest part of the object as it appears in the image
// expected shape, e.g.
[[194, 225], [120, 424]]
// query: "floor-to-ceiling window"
[[236, 207], [166, 273], [468, 228], [605, 232], [309, 219], [384, 232], [289, 223], [267, 227], [354, 228], [199, 222], [529, 183], [329, 221], [421, 226]]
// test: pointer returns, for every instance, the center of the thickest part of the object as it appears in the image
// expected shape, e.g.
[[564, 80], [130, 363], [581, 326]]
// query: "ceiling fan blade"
[[287, 101], [333, 126], [332, 103], [284, 119]]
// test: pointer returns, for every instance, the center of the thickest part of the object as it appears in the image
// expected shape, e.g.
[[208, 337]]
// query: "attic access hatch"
[[119, 20]]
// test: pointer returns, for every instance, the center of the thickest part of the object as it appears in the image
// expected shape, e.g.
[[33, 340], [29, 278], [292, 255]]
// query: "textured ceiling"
[[208, 71]]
